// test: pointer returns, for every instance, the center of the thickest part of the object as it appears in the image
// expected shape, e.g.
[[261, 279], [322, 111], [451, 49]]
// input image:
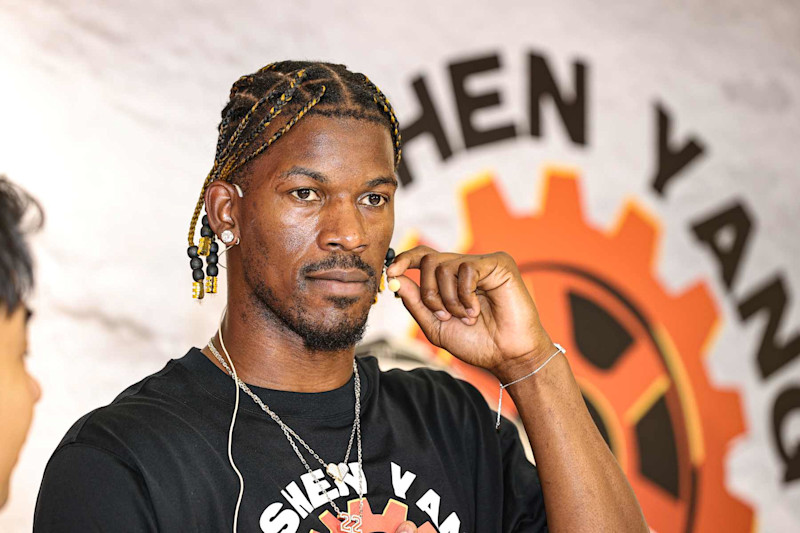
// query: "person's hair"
[[19, 213], [296, 89]]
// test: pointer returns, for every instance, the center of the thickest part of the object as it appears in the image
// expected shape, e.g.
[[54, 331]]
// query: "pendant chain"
[[291, 435]]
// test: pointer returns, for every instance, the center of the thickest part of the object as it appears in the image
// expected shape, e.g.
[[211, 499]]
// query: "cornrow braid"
[[256, 101], [383, 102]]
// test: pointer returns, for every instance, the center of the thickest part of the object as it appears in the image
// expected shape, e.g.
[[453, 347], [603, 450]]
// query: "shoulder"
[[140, 412]]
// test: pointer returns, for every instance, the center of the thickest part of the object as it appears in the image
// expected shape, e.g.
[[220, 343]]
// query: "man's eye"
[[374, 200], [305, 194]]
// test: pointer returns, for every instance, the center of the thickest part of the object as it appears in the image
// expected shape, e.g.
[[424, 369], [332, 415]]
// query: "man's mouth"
[[340, 282], [345, 276]]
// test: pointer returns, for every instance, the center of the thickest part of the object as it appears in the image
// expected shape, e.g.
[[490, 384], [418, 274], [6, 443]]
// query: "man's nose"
[[342, 227]]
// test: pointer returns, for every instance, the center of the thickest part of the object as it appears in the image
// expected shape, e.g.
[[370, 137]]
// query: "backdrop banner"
[[639, 161]]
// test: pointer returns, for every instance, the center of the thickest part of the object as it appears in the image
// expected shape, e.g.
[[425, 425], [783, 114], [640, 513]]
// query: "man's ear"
[[222, 202]]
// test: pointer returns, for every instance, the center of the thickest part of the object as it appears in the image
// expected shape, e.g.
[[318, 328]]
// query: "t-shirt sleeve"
[[89, 489], [523, 501]]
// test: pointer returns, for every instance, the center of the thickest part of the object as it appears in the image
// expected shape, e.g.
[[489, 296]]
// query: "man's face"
[[18, 392], [316, 222]]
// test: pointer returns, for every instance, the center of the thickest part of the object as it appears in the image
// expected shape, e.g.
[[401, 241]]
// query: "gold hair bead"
[[211, 284], [205, 246], [197, 290]]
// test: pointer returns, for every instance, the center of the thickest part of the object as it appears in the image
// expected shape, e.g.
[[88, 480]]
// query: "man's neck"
[[266, 353]]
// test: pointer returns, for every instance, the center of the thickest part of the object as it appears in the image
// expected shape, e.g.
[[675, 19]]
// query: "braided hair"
[[285, 91]]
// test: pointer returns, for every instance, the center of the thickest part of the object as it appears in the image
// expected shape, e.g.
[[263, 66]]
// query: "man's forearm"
[[584, 486]]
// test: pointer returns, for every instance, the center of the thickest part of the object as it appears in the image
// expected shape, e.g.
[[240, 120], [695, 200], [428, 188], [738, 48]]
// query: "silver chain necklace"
[[335, 471]]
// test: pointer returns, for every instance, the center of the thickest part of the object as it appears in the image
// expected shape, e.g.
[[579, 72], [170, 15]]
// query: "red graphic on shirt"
[[393, 515]]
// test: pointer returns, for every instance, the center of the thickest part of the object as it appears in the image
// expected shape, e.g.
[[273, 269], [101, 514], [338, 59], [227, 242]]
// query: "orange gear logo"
[[636, 350], [393, 515]]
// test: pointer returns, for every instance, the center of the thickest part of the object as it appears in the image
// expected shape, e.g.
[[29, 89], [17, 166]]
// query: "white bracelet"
[[503, 387]]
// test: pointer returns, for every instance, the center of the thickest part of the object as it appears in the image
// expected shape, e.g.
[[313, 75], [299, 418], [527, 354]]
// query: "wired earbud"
[[233, 419]]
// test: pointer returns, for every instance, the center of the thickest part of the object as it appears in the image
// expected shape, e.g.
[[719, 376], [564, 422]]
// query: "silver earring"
[[227, 236]]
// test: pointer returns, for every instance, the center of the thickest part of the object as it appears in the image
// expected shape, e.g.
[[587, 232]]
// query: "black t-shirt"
[[155, 459]]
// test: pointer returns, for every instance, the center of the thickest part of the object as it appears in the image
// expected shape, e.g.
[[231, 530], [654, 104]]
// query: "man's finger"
[[429, 289], [409, 293], [467, 284], [407, 527], [446, 281], [412, 258]]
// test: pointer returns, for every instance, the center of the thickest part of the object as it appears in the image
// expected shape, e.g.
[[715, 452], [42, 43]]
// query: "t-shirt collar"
[[299, 405]]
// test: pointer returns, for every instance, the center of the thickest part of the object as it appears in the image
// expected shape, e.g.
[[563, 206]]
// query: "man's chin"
[[343, 302], [338, 325], [335, 311]]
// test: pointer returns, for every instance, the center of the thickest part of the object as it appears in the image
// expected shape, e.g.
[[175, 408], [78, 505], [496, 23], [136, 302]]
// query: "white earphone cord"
[[233, 423]]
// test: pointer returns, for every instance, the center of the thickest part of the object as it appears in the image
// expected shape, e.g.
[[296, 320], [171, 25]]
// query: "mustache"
[[338, 261]]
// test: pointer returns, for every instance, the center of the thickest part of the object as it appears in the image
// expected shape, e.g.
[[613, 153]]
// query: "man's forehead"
[[324, 148], [321, 177]]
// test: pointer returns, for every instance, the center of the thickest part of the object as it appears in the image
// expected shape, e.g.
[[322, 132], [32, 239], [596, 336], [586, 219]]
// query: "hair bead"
[[211, 285], [197, 290]]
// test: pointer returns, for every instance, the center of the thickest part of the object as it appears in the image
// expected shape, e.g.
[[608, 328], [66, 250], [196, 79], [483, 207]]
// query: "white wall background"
[[109, 113]]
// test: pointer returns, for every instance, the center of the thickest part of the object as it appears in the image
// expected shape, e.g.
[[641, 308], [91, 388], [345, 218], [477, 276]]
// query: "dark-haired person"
[[19, 391], [274, 426]]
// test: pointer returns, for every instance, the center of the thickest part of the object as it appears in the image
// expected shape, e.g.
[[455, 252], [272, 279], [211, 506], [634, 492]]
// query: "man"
[[19, 391], [301, 192]]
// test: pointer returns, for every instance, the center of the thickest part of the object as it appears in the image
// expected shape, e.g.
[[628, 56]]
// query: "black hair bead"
[[212, 259], [198, 275], [205, 220], [196, 263], [205, 231], [192, 251], [212, 270], [214, 247]]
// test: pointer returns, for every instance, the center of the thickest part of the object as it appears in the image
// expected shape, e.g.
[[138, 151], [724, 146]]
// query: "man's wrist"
[[515, 368]]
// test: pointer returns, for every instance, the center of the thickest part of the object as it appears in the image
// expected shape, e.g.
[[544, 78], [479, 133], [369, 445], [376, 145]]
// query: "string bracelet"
[[503, 387]]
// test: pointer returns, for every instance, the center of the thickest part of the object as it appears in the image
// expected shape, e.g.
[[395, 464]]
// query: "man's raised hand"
[[474, 306]]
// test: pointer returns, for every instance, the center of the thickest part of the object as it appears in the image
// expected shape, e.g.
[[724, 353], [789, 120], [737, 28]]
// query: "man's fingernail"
[[466, 320], [442, 315], [472, 312], [405, 529]]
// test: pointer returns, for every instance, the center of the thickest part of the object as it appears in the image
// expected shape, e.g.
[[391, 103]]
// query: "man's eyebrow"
[[303, 171], [383, 180]]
